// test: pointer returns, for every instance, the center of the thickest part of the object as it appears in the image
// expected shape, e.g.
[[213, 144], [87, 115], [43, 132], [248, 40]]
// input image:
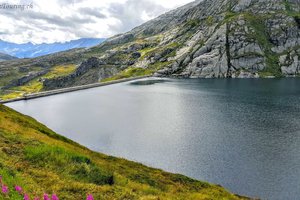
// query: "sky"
[[47, 21]]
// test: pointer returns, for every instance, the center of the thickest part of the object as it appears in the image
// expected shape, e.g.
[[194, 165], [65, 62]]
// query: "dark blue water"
[[242, 134]]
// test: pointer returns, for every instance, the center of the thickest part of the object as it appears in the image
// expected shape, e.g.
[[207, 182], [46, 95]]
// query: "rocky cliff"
[[246, 38], [203, 39]]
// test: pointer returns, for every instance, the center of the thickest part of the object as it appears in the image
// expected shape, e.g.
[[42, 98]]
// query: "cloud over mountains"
[[64, 20]]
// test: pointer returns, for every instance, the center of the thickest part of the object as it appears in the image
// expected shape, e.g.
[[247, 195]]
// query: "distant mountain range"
[[30, 50], [4, 57]]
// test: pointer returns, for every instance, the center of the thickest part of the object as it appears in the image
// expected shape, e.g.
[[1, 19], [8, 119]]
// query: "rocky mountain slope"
[[40, 161], [203, 39]]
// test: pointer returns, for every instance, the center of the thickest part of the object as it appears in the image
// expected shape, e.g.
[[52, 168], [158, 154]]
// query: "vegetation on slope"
[[128, 73], [36, 84], [138, 71], [257, 22], [41, 161]]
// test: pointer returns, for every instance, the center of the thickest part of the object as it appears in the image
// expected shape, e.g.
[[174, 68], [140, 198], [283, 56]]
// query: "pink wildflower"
[[90, 197], [18, 189], [46, 197], [4, 189], [36, 198], [55, 197], [26, 197]]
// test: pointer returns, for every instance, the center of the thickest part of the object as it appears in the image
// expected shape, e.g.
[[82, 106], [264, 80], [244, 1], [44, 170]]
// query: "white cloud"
[[63, 20]]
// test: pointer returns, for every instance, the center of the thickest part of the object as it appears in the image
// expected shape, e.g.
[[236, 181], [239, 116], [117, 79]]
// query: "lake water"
[[243, 134]]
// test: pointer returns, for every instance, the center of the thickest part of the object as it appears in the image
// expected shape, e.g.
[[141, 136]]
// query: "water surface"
[[242, 134]]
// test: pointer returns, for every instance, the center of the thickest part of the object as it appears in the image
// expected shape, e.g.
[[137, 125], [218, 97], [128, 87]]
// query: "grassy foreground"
[[41, 161]]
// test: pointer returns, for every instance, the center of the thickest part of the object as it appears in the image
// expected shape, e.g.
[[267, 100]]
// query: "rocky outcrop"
[[250, 40], [210, 60], [90, 71], [25, 79], [290, 63], [214, 39], [69, 80]]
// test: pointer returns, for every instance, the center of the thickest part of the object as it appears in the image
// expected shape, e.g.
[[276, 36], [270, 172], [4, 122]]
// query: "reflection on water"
[[242, 134]]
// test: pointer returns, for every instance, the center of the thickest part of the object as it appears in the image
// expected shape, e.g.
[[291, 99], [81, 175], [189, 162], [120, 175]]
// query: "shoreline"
[[70, 89], [100, 84]]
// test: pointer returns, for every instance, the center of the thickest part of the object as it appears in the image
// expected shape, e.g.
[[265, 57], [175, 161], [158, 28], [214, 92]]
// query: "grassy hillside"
[[36, 84], [41, 161]]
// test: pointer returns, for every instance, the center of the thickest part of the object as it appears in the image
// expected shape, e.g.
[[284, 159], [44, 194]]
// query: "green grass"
[[137, 71], [77, 166], [261, 36], [11, 179], [129, 73], [36, 85], [191, 23], [151, 68], [12, 95], [158, 65], [151, 50], [292, 13], [5, 80], [209, 20], [146, 51], [264, 74], [230, 16], [39, 160], [287, 6]]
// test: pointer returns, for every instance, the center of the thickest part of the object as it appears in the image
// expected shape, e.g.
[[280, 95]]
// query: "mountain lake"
[[243, 134]]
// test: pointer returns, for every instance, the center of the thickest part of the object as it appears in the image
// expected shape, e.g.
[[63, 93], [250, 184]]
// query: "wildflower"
[[55, 197], [26, 197], [46, 197], [36, 198], [18, 189], [4, 189], [90, 197]]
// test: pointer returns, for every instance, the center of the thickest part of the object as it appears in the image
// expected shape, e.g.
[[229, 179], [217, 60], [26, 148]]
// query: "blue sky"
[[63, 20]]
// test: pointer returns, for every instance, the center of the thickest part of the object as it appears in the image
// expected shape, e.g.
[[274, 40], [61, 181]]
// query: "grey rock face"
[[215, 39], [243, 74], [255, 36], [84, 70], [210, 60], [86, 65], [120, 39], [241, 5], [290, 64]]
